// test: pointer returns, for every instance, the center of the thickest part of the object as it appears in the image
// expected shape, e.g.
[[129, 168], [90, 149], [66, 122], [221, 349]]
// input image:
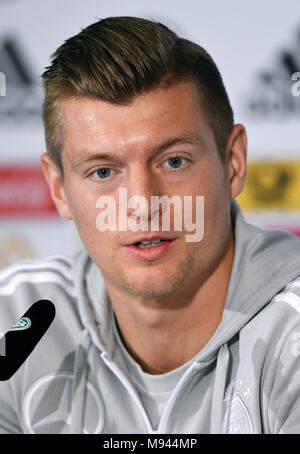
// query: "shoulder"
[[290, 295], [54, 269], [283, 311], [286, 309], [285, 305], [28, 281], [277, 324], [274, 334]]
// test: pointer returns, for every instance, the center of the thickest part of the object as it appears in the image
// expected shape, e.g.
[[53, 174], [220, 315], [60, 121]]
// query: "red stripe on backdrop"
[[24, 192]]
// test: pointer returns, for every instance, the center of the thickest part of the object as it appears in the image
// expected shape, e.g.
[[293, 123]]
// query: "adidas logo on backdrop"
[[274, 94], [21, 96]]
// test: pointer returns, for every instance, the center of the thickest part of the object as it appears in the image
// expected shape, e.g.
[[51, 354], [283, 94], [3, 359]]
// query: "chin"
[[147, 292], [156, 284]]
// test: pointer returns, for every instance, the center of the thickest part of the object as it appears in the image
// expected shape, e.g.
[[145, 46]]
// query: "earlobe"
[[237, 159], [56, 186]]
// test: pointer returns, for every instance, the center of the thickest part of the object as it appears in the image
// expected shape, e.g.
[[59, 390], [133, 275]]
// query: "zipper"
[[170, 403], [124, 380]]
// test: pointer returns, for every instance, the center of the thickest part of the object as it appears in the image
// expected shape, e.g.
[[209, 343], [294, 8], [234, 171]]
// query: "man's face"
[[160, 144]]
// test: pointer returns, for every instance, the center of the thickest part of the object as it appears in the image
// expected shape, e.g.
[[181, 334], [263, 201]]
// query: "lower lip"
[[150, 253]]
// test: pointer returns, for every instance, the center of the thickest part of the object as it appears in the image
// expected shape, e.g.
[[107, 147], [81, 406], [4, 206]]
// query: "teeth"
[[143, 244], [151, 242]]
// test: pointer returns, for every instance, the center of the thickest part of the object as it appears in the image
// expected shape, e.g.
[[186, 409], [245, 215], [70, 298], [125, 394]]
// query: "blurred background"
[[256, 46]]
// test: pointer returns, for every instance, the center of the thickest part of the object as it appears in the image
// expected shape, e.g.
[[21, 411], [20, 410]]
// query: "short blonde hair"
[[119, 58]]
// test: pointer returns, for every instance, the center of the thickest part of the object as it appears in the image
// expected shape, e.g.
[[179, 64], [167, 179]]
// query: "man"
[[153, 333]]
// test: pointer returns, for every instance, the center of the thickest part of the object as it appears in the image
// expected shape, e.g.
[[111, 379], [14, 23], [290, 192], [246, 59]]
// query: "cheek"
[[84, 211], [217, 185], [216, 193]]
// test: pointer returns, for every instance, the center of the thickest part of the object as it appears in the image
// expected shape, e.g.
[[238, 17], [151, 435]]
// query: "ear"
[[236, 156], [56, 186]]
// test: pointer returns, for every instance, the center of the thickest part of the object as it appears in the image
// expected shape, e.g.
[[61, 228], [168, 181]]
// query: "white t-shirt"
[[153, 390]]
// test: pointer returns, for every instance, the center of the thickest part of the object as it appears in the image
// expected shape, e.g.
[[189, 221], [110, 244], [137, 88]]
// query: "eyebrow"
[[193, 139], [84, 156]]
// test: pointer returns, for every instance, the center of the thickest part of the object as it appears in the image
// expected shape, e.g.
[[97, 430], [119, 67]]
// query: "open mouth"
[[147, 244], [150, 249]]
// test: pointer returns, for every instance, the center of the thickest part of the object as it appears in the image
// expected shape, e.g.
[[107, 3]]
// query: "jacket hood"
[[264, 262]]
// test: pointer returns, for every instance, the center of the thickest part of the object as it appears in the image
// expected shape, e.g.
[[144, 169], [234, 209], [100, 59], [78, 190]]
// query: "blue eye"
[[175, 162], [103, 173]]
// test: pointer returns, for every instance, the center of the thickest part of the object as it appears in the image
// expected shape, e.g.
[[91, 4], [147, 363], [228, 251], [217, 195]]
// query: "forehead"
[[149, 119]]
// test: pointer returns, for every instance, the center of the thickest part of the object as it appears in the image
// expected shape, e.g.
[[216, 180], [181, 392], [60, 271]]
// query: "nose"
[[142, 185]]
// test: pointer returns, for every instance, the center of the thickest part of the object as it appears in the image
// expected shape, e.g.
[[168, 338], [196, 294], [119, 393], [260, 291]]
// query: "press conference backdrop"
[[256, 46]]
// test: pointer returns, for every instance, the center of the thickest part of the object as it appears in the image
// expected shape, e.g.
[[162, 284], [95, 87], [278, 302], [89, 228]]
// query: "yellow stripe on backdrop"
[[272, 185]]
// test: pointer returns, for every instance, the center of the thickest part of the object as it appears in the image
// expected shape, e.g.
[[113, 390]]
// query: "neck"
[[161, 336]]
